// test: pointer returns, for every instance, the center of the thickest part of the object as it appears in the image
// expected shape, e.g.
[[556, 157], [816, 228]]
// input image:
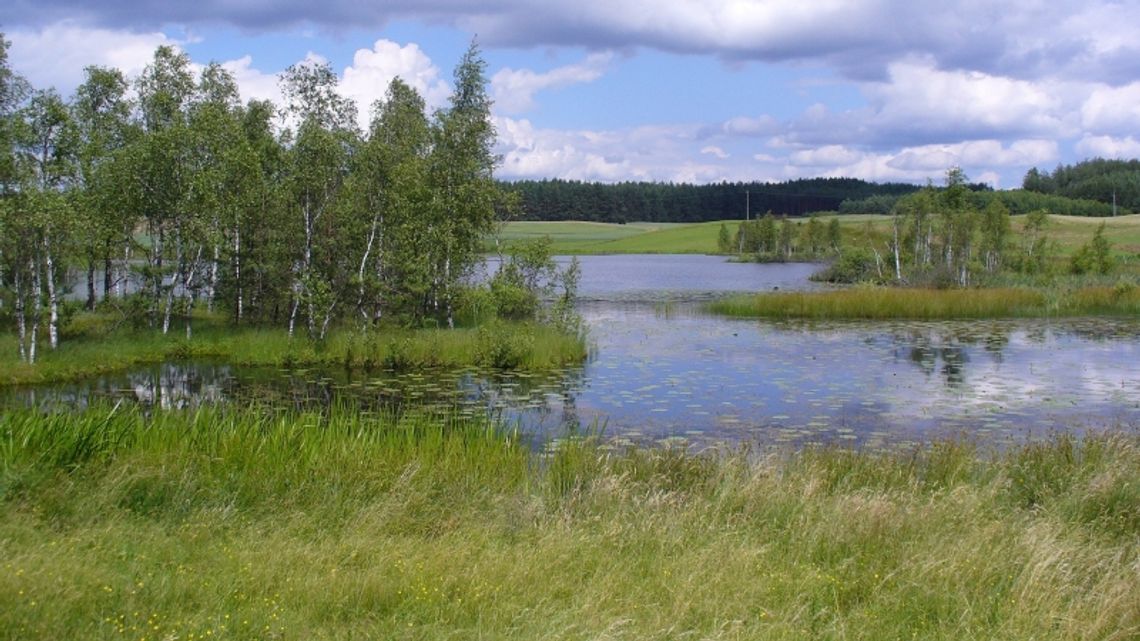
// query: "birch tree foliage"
[[462, 175], [17, 241], [101, 112], [257, 281], [276, 216], [46, 170], [319, 161], [388, 190]]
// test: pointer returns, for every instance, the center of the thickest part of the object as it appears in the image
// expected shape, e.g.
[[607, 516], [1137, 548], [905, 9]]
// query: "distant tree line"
[[1017, 201], [1096, 179], [679, 202], [174, 187]]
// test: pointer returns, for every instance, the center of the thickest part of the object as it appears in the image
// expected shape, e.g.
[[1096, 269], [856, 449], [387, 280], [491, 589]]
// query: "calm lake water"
[[661, 370]]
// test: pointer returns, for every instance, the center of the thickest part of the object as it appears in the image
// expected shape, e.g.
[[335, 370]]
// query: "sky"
[[668, 90]]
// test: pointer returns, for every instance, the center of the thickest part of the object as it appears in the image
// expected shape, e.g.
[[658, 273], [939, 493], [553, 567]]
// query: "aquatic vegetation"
[[84, 357], [909, 303]]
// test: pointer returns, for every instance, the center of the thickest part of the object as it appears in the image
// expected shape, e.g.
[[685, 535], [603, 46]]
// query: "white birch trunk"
[[21, 317], [178, 265], [898, 265], [53, 298], [212, 282], [37, 296], [237, 271], [363, 265]]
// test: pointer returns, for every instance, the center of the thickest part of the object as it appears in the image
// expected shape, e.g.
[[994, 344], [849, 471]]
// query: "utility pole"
[[747, 217], [1114, 203]]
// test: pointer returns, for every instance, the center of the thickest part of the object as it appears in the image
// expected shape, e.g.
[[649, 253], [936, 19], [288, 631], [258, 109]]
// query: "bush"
[[1094, 256], [856, 265], [503, 347]]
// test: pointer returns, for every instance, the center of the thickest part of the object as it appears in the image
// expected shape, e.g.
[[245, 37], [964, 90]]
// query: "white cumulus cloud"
[[56, 55], [513, 89], [366, 80], [1109, 146]]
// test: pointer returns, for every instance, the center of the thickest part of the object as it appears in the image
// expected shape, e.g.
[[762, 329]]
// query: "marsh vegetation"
[[252, 524]]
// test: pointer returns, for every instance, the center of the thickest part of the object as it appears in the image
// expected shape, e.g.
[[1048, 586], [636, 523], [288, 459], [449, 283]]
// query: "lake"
[[663, 371]]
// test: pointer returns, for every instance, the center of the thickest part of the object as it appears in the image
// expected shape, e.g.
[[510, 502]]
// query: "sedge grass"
[[95, 353], [932, 304], [244, 525]]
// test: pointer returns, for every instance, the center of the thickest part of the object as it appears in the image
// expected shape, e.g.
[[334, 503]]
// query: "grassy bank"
[[909, 303], [242, 526], [90, 351]]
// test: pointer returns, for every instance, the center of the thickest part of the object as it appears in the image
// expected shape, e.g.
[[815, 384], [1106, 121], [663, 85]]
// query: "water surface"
[[661, 370]]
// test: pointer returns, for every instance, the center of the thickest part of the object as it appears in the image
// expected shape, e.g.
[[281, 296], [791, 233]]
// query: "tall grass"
[[534, 347], [235, 524], [908, 303]]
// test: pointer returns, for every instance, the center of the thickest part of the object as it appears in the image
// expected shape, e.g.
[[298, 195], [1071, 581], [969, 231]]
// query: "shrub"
[[503, 347], [854, 265]]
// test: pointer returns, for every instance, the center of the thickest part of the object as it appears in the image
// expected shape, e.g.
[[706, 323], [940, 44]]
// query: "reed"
[[241, 523], [933, 304], [87, 355]]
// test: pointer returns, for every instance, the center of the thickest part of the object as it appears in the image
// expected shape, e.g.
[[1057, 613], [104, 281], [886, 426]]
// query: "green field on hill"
[[581, 237]]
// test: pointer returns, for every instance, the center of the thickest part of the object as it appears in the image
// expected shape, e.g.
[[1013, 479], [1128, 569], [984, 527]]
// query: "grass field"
[[581, 238], [576, 237], [246, 525]]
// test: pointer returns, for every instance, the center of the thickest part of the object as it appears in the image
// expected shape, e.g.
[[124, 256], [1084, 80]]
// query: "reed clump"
[[246, 523], [84, 356], [883, 303]]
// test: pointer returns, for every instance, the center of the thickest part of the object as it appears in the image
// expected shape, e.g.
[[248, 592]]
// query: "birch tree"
[[47, 164], [389, 189], [101, 113], [318, 163], [462, 167]]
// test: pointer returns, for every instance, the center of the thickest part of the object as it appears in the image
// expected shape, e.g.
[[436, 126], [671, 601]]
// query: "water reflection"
[[167, 386], [663, 372], [684, 375]]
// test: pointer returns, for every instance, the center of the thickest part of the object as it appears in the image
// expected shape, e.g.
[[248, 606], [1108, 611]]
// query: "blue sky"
[[694, 91]]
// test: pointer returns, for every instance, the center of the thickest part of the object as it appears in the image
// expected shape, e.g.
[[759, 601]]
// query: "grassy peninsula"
[[93, 350]]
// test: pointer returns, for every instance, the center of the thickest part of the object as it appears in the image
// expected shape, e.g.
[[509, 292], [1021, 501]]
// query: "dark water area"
[[663, 371]]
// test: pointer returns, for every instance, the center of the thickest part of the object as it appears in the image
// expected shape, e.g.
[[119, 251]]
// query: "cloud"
[[923, 99], [253, 84], [513, 89], [764, 125], [651, 153], [979, 153], [826, 156], [918, 104], [985, 160], [1112, 110], [1092, 40], [56, 55], [713, 150], [1109, 146], [366, 80]]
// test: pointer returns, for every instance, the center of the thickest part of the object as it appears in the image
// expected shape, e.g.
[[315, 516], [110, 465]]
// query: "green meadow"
[[581, 237], [247, 524]]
